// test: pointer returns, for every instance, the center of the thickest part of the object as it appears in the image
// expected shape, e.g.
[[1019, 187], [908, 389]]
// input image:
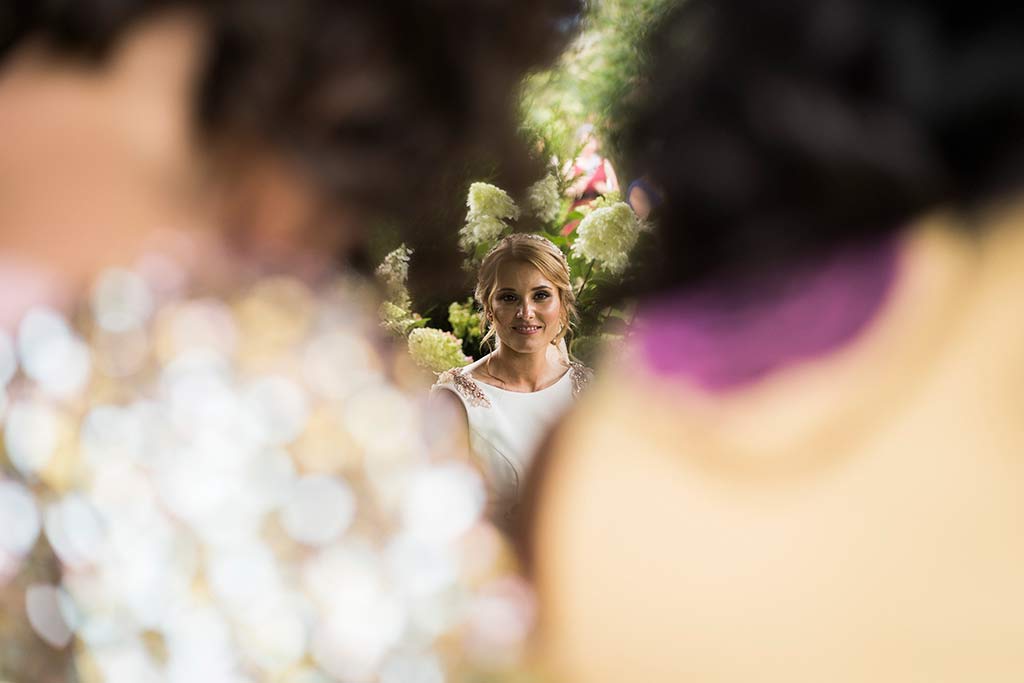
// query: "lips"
[[527, 329]]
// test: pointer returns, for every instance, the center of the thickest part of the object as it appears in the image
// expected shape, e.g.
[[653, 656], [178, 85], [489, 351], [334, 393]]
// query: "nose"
[[525, 311]]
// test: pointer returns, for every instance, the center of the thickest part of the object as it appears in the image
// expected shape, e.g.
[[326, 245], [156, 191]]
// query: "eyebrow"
[[509, 289]]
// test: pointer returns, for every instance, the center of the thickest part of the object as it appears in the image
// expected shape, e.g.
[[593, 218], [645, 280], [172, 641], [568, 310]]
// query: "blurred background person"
[[185, 373], [810, 466], [643, 198], [590, 174]]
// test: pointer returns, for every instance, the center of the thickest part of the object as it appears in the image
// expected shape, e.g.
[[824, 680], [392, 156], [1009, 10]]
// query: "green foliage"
[[585, 87], [596, 254], [467, 324], [591, 78]]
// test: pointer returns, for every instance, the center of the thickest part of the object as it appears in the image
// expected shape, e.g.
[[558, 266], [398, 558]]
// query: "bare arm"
[[448, 427], [577, 187], [611, 182]]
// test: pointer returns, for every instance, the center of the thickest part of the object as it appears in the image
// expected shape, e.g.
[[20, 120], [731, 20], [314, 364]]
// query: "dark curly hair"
[[388, 104], [780, 130]]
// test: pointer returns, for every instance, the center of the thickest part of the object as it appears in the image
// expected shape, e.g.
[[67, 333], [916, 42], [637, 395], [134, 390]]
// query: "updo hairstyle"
[[540, 253], [783, 131]]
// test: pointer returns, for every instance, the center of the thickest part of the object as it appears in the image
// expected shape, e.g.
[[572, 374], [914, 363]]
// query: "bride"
[[505, 402]]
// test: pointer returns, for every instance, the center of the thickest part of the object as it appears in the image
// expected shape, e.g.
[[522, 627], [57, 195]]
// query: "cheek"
[[551, 308], [503, 313]]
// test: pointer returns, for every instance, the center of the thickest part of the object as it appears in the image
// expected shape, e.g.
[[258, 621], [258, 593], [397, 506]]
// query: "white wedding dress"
[[506, 427]]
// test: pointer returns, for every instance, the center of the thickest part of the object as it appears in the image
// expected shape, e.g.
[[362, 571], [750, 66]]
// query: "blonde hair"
[[542, 254]]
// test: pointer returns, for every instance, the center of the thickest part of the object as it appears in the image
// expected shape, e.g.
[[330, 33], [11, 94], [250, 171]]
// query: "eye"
[[541, 296], [507, 298]]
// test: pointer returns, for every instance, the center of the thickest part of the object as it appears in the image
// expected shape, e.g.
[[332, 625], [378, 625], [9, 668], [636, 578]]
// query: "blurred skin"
[[94, 160], [853, 518], [99, 162], [640, 202]]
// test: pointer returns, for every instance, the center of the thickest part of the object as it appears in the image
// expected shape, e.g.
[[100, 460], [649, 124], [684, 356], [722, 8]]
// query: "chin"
[[527, 345]]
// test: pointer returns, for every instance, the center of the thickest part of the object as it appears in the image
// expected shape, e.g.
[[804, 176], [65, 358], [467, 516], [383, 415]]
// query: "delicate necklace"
[[487, 369], [504, 385]]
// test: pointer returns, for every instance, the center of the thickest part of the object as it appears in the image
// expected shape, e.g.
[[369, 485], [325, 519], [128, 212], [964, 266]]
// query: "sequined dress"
[[506, 427]]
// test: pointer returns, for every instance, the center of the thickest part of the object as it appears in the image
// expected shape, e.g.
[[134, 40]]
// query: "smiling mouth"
[[527, 329]]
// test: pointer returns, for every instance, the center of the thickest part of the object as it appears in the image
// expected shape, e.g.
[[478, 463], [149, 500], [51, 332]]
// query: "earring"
[[558, 335]]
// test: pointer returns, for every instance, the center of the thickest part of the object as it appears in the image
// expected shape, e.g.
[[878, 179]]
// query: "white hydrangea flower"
[[489, 209], [480, 231], [544, 199], [488, 200], [394, 273], [395, 266], [436, 350], [607, 235]]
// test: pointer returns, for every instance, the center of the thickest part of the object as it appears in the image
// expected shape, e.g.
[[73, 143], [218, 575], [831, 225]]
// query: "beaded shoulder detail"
[[466, 387], [581, 377]]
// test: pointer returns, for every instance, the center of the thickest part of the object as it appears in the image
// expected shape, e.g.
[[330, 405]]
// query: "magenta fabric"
[[722, 339]]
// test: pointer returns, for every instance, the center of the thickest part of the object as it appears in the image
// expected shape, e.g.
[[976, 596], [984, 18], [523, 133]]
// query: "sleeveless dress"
[[506, 427]]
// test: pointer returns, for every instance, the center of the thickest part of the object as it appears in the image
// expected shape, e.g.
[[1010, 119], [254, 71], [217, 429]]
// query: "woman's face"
[[526, 308]]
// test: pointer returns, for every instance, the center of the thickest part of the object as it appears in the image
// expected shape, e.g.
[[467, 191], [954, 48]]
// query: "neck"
[[529, 371]]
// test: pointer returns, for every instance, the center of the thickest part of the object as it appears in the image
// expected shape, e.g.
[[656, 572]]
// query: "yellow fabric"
[[856, 518]]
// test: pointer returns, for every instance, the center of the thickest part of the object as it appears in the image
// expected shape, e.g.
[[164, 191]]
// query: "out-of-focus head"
[[331, 114], [782, 130], [376, 108], [587, 140], [508, 293]]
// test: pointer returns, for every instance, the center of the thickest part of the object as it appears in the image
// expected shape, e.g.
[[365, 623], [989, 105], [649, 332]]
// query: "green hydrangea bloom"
[[465, 320], [397, 320], [436, 350]]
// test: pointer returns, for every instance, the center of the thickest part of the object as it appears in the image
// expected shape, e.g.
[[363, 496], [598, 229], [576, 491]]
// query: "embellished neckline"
[[561, 378], [471, 389]]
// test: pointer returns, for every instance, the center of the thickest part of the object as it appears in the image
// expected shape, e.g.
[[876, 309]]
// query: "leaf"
[[575, 215], [420, 322]]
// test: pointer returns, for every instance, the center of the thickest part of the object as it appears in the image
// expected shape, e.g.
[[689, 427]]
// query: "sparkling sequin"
[[581, 377], [465, 385]]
